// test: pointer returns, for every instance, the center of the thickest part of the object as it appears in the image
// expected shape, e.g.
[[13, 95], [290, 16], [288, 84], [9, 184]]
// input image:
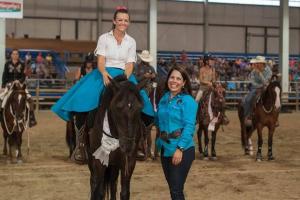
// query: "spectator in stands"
[[183, 57], [172, 63], [14, 70], [259, 78], [207, 76], [116, 54], [86, 68], [28, 58], [28, 61], [49, 59], [143, 66], [162, 65], [41, 69]]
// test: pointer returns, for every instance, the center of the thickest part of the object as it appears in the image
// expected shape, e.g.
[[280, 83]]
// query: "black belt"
[[166, 136]]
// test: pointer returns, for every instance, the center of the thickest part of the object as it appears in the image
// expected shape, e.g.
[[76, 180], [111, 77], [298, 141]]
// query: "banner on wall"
[[11, 9]]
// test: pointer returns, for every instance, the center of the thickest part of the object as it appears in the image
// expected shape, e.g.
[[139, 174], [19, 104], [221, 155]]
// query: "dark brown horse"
[[265, 114], [14, 121], [122, 103], [211, 113]]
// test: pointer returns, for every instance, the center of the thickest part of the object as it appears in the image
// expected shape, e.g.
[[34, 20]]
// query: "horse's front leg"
[[149, 143], [97, 171], [155, 147], [213, 142], [126, 173], [259, 143], [206, 140], [114, 173], [270, 143], [199, 137], [5, 143], [19, 144]]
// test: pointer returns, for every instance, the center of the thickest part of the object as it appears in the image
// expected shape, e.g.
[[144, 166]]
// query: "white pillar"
[[99, 17], [205, 27], [284, 44], [152, 31], [2, 47]]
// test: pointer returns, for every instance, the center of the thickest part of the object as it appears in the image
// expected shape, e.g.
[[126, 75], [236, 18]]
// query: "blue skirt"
[[85, 94]]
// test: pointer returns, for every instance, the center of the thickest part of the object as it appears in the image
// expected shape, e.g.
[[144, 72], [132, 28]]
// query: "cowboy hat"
[[145, 56], [259, 59]]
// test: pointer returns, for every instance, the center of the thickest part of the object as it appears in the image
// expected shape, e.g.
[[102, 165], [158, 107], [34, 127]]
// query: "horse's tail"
[[241, 118]]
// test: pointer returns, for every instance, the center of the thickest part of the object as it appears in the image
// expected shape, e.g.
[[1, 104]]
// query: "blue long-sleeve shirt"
[[258, 79], [173, 114]]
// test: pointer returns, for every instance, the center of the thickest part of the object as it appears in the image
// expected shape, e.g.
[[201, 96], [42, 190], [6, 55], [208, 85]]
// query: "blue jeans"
[[176, 174], [248, 102]]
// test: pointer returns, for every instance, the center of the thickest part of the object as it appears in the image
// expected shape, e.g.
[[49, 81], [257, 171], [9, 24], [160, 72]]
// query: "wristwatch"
[[180, 148]]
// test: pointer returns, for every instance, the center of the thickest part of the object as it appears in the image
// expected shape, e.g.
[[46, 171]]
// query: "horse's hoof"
[[213, 158], [258, 159], [19, 161], [251, 153], [205, 158], [271, 158]]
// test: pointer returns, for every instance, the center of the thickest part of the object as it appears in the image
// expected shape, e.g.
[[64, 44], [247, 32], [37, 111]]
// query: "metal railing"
[[46, 92]]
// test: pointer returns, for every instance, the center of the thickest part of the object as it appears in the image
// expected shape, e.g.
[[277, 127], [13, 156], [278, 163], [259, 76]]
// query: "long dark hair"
[[187, 89], [119, 9]]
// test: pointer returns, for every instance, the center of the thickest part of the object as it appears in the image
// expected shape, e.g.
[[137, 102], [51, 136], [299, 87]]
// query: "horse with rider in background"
[[14, 120], [210, 116], [265, 114], [260, 107]]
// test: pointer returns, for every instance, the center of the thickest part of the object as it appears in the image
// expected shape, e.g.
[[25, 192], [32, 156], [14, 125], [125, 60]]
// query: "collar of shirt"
[[111, 33]]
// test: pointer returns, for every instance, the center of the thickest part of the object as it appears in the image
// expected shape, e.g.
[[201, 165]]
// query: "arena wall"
[[180, 24]]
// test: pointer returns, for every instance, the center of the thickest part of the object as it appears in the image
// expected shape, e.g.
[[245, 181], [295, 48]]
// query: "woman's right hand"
[[106, 78]]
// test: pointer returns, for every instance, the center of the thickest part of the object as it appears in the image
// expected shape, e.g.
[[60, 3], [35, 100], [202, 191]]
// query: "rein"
[[16, 122]]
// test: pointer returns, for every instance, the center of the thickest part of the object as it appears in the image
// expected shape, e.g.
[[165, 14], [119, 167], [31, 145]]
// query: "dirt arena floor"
[[47, 174]]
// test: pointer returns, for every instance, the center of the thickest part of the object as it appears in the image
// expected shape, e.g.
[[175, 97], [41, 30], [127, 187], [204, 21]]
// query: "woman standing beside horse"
[[176, 116]]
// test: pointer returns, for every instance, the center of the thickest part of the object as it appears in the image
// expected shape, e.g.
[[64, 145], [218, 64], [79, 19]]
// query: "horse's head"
[[15, 108], [124, 113], [273, 91], [218, 95]]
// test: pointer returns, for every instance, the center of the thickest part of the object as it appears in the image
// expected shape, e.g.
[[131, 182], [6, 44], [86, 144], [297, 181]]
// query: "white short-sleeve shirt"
[[116, 55]]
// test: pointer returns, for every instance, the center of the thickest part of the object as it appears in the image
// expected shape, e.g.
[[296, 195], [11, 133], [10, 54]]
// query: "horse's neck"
[[267, 100]]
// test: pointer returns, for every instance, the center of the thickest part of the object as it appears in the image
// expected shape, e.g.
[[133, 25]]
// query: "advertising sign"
[[11, 9]]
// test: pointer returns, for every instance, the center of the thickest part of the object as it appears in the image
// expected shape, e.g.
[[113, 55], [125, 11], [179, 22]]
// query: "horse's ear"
[[114, 85], [274, 78]]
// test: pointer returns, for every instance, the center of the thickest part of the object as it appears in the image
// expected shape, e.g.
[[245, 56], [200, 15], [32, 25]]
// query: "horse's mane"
[[274, 82]]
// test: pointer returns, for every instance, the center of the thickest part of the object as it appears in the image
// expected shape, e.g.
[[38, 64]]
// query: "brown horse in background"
[[122, 103], [265, 114], [155, 91], [14, 121], [213, 98]]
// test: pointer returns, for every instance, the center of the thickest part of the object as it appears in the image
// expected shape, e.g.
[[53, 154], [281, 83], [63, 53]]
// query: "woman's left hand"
[[177, 157]]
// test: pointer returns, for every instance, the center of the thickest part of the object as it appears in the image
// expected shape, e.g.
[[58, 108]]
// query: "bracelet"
[[180, 148]]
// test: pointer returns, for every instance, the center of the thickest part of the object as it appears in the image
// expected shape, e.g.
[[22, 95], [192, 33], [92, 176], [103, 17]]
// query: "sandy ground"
[[47, 174]]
